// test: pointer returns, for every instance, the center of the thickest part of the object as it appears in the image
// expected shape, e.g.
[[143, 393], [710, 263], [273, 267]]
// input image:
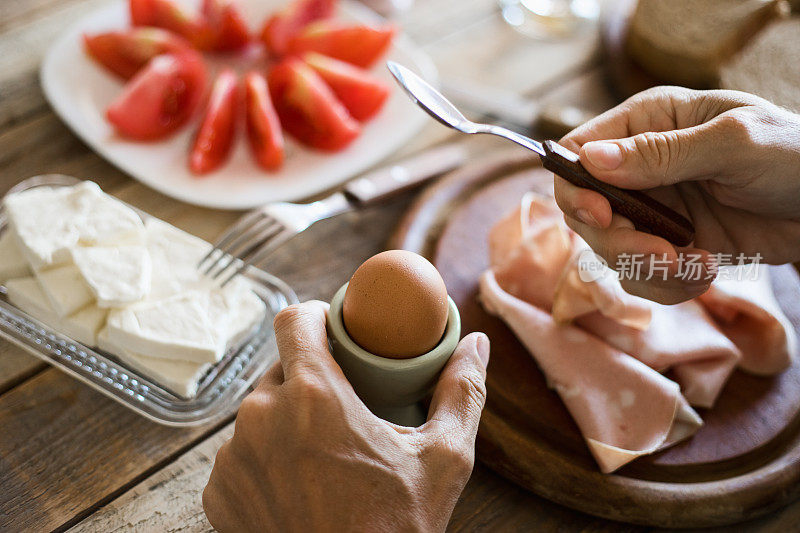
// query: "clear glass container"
[[549, 19], [219, 391]]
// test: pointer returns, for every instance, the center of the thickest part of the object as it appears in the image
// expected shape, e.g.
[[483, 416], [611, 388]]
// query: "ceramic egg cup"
[[391, 388]]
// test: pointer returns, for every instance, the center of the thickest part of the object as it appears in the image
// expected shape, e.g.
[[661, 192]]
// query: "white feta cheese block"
[[181, 377], [116, 275], [249, 313], [48, 221], [235, 310], [27, 294], [84, 325], [12, 263], [65, 288], [173, 328], [175, 255]]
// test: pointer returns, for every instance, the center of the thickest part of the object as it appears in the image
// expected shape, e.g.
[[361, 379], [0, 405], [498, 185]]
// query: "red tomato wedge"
[[125, 52], [360, 45], [160, 98], [171, 16], [360, 93], [227, 25], [214, 139], [308, 109], [263, 128], [142, 12], [285, 24]]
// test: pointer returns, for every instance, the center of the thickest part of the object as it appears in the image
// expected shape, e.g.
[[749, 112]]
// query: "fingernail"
[[605, 156], [483, 346], [587, 217]]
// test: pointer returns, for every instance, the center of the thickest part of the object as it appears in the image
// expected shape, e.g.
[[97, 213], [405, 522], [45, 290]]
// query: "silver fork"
[[258, 233]]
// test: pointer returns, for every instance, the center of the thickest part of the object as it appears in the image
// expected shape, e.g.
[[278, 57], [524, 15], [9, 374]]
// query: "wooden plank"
[[168, 501], [65, 446], [16, 366], [490, 503], [15, 14], [44, 145], [22, 48]]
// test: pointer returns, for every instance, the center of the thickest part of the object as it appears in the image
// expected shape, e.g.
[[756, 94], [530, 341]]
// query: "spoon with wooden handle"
[[647, 214]]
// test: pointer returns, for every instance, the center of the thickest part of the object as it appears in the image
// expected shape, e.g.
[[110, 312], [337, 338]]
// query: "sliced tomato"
[[141, 12], [174, 17], [308, 109], [360, 93], [214, 139], [263, 127], [227, 25], [360, 45], [160, 98], [285, 24], [125, 52]]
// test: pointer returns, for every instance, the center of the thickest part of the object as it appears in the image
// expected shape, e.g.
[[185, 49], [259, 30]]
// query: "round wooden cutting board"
[[745, 460]]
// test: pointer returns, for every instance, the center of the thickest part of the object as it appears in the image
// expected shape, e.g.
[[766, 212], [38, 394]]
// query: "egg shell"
[[396, 305]]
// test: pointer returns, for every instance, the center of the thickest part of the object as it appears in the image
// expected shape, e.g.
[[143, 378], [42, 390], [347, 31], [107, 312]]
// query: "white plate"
[[80, 90]]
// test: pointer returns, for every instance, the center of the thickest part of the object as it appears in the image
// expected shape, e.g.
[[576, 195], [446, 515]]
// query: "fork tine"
[[263, 240], [279, 239], [244, 237], [257, 240], [240, 225]]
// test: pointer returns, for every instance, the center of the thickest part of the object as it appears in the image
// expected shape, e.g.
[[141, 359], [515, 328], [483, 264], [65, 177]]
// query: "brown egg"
[[396, 305]]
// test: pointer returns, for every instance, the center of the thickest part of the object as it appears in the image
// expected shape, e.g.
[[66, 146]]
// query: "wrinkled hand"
[[728, 160], [307, 455]]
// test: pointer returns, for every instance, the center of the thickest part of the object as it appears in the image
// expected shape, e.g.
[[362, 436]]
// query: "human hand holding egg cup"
[[305, 430], [392, 329]]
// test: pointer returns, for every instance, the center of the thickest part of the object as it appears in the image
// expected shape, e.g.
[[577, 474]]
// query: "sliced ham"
[[529, 249], [623, 408], [682, 338], [537, 259], [605, 351], [597, 290], [742, 301]]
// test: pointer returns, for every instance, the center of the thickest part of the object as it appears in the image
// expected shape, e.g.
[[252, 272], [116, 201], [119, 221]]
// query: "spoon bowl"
[[429, 99]]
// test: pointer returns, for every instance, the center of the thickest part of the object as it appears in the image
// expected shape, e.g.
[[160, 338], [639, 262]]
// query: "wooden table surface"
[[71, 458]]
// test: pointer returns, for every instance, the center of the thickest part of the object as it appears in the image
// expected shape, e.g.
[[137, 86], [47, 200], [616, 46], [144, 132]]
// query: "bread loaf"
[[686, 42], [769, 65]]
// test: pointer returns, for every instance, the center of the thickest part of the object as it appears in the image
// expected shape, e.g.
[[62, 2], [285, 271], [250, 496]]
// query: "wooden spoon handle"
[[647, 214]]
